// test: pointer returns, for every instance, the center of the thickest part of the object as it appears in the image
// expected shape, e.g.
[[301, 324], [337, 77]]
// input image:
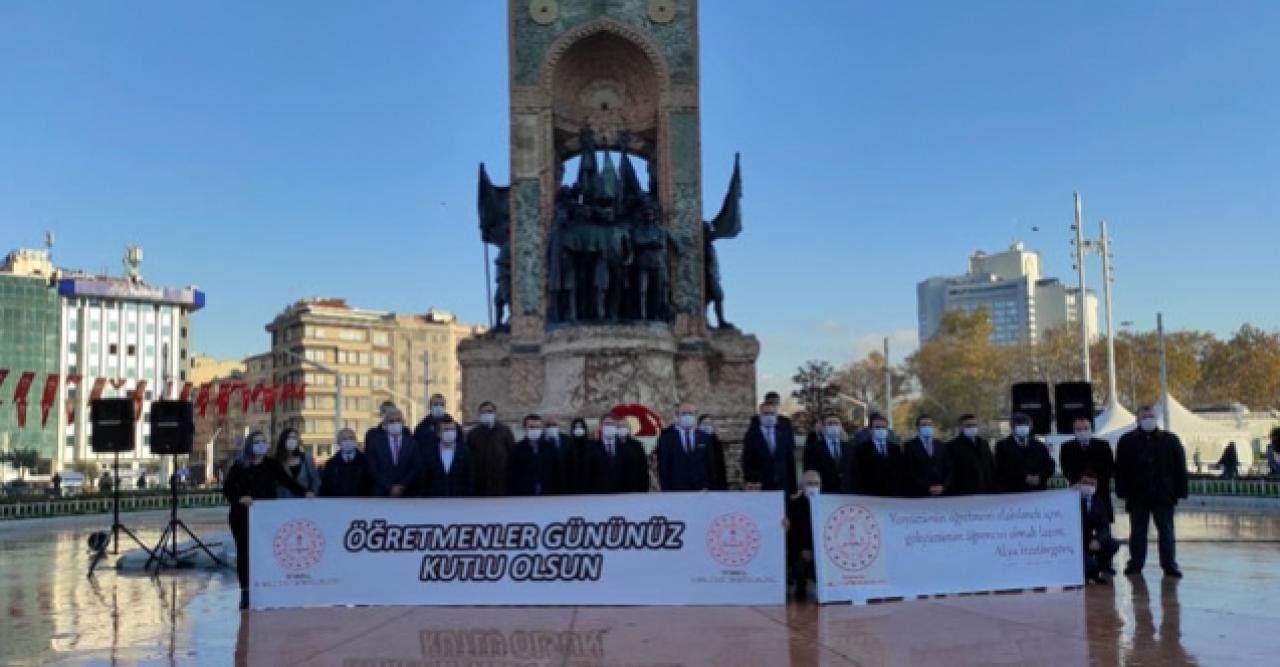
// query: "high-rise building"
[[378, 355], [1022, 304], [134, 336], [29, 342]]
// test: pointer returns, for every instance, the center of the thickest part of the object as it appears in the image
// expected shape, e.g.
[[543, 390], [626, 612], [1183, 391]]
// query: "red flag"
[[47, 398], [202, 399], [20, 396], [138, 393], [98, 385], [71, 402], [247, 396], [186, 392], [4, 374], [168, 389], [269, 397], [224, 397]]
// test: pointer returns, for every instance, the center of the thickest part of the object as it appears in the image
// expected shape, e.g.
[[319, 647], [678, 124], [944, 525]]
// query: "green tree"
[[813, 379], [1243, 369], [22, 459]]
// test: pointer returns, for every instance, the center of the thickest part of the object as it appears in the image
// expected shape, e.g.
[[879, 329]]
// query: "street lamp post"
[[337, 380]]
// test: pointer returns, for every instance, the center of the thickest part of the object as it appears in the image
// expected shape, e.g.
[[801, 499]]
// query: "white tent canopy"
[[1197, 434]]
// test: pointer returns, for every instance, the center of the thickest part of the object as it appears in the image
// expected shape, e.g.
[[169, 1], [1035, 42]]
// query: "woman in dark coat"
[[254, 477]]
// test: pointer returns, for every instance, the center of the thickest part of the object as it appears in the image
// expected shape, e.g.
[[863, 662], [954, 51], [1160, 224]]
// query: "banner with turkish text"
[[709, 548], [868, 548]]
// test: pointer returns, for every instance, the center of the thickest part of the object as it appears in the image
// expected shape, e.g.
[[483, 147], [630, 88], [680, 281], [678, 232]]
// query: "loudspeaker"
[[172, 427], [112, 420], [1032, 399], [1072, 399]]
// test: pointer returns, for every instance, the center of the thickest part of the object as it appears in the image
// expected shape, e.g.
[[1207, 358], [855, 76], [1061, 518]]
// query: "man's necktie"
[[395, 450], [768, 436]]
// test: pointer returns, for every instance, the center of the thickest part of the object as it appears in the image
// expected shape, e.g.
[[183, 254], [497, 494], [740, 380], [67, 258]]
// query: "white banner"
[[709, 548], [869, 548]]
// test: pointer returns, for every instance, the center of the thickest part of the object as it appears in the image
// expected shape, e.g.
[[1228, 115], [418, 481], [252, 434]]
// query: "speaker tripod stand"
[[100, 548], [166, 553]]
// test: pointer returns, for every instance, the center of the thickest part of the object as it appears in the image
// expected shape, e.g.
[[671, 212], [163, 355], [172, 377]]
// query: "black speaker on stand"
[[172, 432], [113, 432], [1032, 399], [1072, 400]]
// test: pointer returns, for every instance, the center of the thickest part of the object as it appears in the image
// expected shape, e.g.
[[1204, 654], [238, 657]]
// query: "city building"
[[1022, 304], [117, 334], [205, 368], [29, 342], [218, 438], [377, 355]]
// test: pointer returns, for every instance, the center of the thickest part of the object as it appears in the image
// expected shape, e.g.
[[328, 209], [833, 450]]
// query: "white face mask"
[[709, 429], [348, 445], [1086, 490], [769, 420], [488, 418], [812, 491], [553, 432], [394, 428], [609, 432], [292, 444], [624, 432], [880, 434], [970, 432], [534, 434], [1083, 437], [450, 436], [579, 432], [1147, 424], [437, 411], [833, 431], [259, 447], [1021, 430]]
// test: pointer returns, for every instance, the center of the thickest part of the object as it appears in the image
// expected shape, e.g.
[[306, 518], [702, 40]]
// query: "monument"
[[602, 283]]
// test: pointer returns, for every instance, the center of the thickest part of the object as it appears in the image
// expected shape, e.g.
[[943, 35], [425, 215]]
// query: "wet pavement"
[[1223, 612]]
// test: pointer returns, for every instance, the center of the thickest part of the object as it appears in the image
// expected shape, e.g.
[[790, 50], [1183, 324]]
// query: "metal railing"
[[1245, 488], [102, 504]]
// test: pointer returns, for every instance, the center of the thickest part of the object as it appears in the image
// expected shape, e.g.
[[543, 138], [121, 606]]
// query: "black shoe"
[[1173, 573], [1131, 570]]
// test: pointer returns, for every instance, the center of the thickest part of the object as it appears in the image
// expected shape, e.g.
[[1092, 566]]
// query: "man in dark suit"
[[973, 467], [768, 453], [448, 469], [826, 452], [800, 567], [558, 441], [1099, 547], [1086, 452], [616, 464], [928, 465], [383, 408], [878, 463], [395, 461], [1023, 462], [533, 467], [684, 459], [427, 432], [346, 474], [1151, 476]]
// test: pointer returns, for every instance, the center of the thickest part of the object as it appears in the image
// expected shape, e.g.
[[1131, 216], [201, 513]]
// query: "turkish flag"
[[71, 402], [98, 385], [202, 399], [186, 392], [47, 398], [20, 396], [138, 393], [224, 397], [650, 422], [4, 375], [246, 396], [269, 396], [117, 383]]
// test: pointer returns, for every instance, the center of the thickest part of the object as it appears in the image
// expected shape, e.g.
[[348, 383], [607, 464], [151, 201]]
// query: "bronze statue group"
[[438, 459]]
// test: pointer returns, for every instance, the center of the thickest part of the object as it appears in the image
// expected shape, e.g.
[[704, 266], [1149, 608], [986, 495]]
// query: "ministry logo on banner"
[[851, 540]]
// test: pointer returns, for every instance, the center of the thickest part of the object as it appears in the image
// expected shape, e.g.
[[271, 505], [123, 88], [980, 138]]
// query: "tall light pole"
[[1104, 249], [1081, 300], [337, 383], [1164, 373]]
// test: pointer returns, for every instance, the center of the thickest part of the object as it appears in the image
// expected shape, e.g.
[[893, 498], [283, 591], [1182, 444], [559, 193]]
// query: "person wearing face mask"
[[768, 453], [383, 408], [617, 461], [684, 453], [297, 462], [255, 476], [1151, 476], [490, 442], [426, 433], [775, 399], [448, 472], [973, 467], [345, 474], [715, 449], [826, 451], [878, 463], [800, 570], [533, 467], [558, 440], [1087, 452], [577, 449], [1099, 547], [928, 466], [394, 459], [1023, 462]]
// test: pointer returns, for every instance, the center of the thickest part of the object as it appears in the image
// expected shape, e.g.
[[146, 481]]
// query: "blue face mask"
[[926, 431]]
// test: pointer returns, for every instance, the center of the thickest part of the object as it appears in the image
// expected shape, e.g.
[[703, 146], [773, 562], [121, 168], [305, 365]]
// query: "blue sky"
[[272, 151]]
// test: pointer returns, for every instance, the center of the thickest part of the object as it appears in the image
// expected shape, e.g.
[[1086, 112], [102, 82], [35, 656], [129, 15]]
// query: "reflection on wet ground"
[[1222, 613]]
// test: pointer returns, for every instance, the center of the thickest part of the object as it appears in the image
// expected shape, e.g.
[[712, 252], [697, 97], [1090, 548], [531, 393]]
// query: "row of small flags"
[[266, 394]]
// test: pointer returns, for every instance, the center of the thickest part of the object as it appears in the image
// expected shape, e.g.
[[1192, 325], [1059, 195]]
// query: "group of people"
[[436, 459]]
